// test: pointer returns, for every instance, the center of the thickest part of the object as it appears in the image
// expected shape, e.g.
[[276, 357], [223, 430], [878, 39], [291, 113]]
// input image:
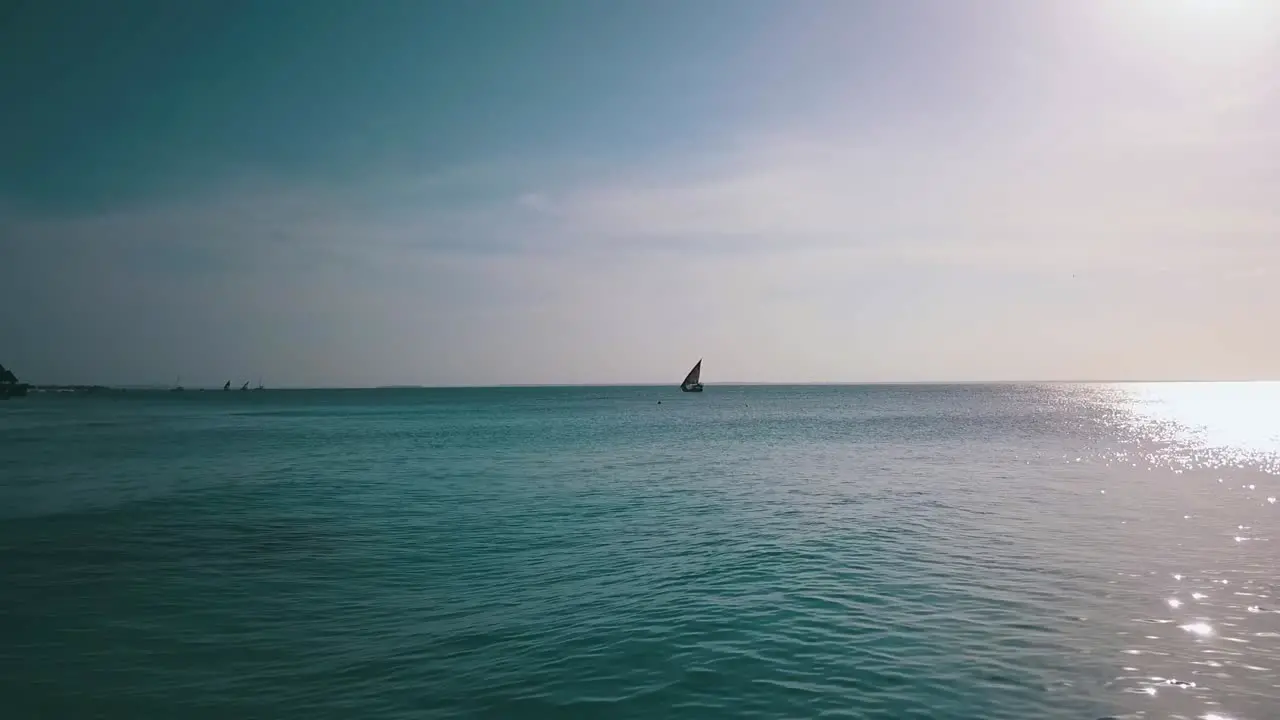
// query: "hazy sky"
[[358, 193]]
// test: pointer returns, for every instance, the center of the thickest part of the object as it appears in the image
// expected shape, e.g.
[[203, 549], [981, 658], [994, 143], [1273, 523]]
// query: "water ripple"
[[974, 552]]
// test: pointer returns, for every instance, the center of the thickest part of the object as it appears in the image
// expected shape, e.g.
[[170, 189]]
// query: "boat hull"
[[691, 388]]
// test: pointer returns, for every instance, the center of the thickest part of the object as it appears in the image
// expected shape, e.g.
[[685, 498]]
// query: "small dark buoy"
[[659, 402]]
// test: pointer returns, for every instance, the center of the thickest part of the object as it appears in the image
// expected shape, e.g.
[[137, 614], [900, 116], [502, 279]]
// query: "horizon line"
[[728, 384]]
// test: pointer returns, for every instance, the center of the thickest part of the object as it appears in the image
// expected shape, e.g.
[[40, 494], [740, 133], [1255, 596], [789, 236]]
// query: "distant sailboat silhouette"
[[692, 381], [9, 385], [227, 386], [245, 386]]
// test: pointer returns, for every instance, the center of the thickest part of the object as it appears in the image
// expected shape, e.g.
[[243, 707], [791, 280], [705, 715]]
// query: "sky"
[[407, 192]]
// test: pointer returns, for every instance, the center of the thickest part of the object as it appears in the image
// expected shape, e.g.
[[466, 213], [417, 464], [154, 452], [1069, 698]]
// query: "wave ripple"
[[923, 552]]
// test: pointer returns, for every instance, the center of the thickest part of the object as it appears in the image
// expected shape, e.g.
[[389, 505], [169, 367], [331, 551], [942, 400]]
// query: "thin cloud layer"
[[1038, 196]]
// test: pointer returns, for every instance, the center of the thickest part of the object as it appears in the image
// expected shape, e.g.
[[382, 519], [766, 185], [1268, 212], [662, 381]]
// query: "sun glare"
[[1219, 36], [1210, 7], [1205, 15]]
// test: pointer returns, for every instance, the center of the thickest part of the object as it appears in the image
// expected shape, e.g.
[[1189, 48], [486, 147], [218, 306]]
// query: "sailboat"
[[9, 385], [692, 381], [227, 386], [245, 386]]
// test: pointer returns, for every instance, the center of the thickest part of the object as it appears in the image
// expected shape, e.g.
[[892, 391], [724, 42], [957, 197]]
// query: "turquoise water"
[[750, 552]]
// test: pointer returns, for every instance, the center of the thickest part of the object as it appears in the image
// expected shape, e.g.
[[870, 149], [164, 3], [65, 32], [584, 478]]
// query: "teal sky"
[[342, 193]]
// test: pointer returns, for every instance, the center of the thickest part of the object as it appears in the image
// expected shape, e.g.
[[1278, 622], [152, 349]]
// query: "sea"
[[985, 552]]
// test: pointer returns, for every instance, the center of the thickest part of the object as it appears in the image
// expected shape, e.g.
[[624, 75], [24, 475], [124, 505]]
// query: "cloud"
[[1105, 200], [802, 254]]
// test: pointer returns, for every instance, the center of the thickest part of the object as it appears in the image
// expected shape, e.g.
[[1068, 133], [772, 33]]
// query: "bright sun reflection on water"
[[1200, 628], [1209, 424], [1204, 498]]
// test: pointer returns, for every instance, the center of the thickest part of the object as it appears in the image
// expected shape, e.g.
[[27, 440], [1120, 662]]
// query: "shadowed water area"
[[896, 552]]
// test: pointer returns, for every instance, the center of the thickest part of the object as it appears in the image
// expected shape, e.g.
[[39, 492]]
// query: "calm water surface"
[[756, 552]]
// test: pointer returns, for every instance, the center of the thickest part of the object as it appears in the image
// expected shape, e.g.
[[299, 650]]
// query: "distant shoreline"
[[92, 389]]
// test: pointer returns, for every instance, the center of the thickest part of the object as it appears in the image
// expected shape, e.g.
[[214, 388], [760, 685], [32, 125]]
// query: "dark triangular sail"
[[694, 375]]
